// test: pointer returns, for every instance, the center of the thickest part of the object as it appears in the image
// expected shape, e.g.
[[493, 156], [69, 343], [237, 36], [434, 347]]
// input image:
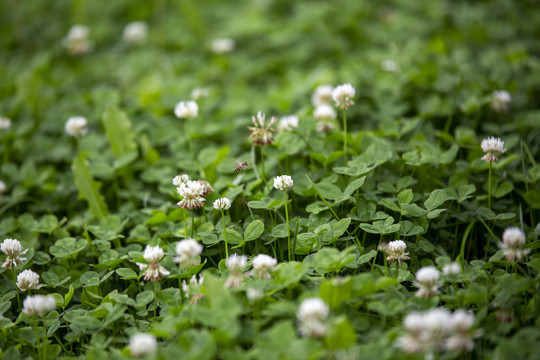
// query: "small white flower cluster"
[[396, 251], [152, 270], [322, 95], [254, 294], [343, 96], [180, 179], [199, 93], [492, 147], [222, 204], [288, 122], [438, 330], [389, 65], [451, 269], [263, 265], [38, 305], [135, 32], [192, 195], [283, 182], [500, 101], [28, 280], [223, 45], [186, 109], [192, 290], [427, 282], [142, 344], [5, 123], [261, 134], [513, 241], [76, 126], [324, 113], [312, 314], [13, 249], [77, 40], [188, 251]]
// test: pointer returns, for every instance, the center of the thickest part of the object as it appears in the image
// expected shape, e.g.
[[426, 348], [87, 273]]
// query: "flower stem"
[[345, 135], [192, 223], [489, 186], [263, 176], [185, 223], [225, 234], [288, 228], [155, 300], [397, 270]]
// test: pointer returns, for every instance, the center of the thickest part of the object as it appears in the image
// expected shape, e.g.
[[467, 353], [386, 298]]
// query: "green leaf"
[[503, 189], [69, 295], [279, 231], [127, 273], [329, 191], [335, 292], [88, 188], [405, 196], [67, 246], [353, 185], [332, 260], [341, 334], [413, 210], [435, 199], [118, 130], [253, 230], [90, 278]]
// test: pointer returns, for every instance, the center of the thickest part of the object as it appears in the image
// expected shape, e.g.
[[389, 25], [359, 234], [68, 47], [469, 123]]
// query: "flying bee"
[[241, 166]]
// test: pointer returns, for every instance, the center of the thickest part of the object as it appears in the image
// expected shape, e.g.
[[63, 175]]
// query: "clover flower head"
[[77, 40], [283, 182], [254, 294], [28, 280], [288, 122], [343, 95], [5, 123], [3, 187], [188, 251], [451, 269], [322, 95], [199, 93], [152, 270], [492, 147], [235, 263], [513, 241], [206, 187], [389, 65], [222, 204], [142, 344], [311, 315], [192, 195], [13, 249], [261, 133], [324, 112], [38, 305], [180, 179], [135, 32], [192, 290], [186, 109], [396, 251], [263, 265], [500, 101], [223, 45], [76, 126], [427, 282]]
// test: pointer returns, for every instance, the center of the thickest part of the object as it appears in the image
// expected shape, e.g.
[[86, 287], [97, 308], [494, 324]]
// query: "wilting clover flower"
[[451, 269], [5, 123], [500, 100], [288, 122], [513, 241], [152, 270], [38, 305], [263, 265], [135, 32], [206, 187], [13, 249], [141, 344], [76, 126], [236, 264], [322, 95], [77, 41], [223, 45], [283, 182], [199, 93], [261, 134], [28, 280], [186, 109], [188, 251], [312, 314], [396, 251], [492, 147], [343, 95], [192, 290], [192, 195], [427, 282], [389, 65], [180, 179], [222, 204]]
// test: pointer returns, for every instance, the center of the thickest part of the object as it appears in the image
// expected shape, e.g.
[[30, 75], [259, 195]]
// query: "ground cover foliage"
[[90, 208]]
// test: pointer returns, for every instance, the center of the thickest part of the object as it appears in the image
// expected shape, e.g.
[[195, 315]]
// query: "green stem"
[[397, 270], [225, 235], [192, 223], [263, 176], [489, 186], [185, 223], [345, 135], [37, 338], [288, 229], [155, 300], [464, 241]]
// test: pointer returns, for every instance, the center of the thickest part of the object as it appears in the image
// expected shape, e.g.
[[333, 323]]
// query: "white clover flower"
[[263, 265], [427, 282], [135, 32], [186, 109], [199, 93], [343, 95], [513, 240], [396, 251], [451, 269], [180, 179], [261, 134], [235, 263], [492, 147], [254, 294], [5, 123], [76, 126], [389, 65], [141, 344], [322, 95], [77, 41], [13, 249], [311, 314], [192, 291], [38, 305], [206, 187], [288, 122], [192, 195], [324, 112], [28, 280], [188, 251], [283, 182], [223, 45], [3, 187], [222, 204], [500, 101], [438, 325], [152, 270]]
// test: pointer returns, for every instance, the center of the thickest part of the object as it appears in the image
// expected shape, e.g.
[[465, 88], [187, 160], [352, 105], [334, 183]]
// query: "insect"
[[241, 166]]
